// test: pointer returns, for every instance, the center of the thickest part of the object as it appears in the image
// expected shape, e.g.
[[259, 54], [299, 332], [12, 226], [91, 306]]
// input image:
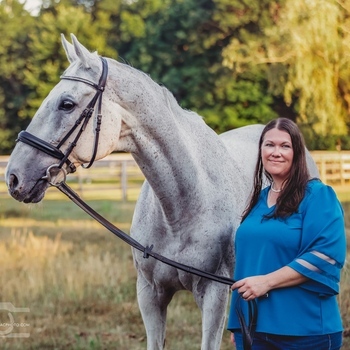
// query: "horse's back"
[[242, 145]]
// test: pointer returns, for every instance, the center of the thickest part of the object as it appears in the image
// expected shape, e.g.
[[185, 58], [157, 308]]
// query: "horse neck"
[[180, 156]]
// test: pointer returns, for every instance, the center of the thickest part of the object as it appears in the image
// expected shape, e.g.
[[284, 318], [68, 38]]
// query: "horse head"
[[63, 133]]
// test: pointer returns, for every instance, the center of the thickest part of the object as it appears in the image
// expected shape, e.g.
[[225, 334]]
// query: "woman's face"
[[277, 154]]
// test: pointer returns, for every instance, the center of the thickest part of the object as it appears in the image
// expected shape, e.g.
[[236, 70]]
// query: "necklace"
[[273, 190]]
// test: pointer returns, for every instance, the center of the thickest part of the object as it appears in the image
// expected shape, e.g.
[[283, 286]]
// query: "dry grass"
[[70, 290]]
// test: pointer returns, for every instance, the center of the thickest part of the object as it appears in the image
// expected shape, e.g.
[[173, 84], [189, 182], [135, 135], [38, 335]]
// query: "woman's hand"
[[252, 287], [257, 286], [232, 337]]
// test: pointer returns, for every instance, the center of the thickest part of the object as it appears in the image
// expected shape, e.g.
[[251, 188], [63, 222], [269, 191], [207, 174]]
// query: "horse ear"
[[82, 52], [69, 49]]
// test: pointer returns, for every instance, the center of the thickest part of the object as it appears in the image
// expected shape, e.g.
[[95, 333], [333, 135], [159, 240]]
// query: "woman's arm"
[[257, 286]]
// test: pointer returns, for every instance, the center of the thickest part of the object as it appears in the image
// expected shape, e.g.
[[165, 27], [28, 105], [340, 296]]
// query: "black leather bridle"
[[51, 174], [54, 151]]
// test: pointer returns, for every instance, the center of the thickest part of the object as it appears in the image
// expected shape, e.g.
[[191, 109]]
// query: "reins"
[[57, 169], [146, 250]]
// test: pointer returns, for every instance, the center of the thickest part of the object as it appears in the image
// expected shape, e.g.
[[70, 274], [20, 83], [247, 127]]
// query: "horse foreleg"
[[213, 302], [153, 302]]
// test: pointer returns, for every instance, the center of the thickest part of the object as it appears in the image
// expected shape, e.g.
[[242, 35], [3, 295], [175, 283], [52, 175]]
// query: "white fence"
[[334, 167], [119, 170]]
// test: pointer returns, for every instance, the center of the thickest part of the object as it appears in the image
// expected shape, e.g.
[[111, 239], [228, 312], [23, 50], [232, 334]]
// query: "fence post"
[[323, 172], [342, 171], [124, 180], [80, 181]]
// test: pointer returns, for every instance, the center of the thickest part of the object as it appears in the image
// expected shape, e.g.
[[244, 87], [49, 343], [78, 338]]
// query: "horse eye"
[[66, 105]]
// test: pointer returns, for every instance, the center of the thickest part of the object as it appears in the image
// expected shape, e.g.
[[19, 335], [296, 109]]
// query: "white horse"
[[196, 187]]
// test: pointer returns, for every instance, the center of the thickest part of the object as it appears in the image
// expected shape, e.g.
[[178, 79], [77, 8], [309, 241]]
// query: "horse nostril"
[[13, 183]]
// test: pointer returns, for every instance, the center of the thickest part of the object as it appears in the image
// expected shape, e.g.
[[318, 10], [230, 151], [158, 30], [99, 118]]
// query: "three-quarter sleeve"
[[323, 244]]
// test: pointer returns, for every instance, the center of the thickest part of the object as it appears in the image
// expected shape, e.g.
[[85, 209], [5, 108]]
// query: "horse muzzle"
[[26, 194]]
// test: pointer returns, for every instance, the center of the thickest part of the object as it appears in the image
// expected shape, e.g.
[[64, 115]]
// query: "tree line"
[[235, 62]]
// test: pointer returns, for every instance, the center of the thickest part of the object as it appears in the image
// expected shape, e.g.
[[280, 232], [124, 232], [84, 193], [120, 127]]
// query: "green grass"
[[79, 282]]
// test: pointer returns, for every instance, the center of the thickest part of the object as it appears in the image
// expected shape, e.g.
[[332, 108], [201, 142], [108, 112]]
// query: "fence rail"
[[120, 172], [334, 167]]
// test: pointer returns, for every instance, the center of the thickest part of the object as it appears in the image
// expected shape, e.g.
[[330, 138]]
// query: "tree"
[[15, 24], [306, 57], [179, 43]]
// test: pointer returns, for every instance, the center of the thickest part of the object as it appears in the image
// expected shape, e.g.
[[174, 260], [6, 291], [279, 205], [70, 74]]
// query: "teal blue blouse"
[[312, 242]]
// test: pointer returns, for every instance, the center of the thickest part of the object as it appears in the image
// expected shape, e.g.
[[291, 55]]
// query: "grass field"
[[78, 281]]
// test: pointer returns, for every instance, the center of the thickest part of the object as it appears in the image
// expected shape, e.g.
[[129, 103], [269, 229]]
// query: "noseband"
[[54, 151]]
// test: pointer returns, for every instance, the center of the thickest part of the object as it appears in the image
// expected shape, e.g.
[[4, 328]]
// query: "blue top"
[[312, 242]]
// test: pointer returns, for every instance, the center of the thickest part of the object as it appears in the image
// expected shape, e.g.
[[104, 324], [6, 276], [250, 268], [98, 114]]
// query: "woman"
[[290, 248]]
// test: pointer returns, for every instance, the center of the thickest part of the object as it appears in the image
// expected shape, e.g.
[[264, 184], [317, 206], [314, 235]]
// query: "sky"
[[32, 6]]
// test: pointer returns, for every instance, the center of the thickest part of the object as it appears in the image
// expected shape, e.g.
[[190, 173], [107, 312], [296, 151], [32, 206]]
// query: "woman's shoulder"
[[316, 188], [314, 185]]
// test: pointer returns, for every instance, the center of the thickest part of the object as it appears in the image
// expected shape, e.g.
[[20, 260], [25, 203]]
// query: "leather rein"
[[51, 176]]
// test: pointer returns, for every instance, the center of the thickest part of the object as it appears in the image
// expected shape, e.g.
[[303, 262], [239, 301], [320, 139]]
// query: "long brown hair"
[[294, 186]]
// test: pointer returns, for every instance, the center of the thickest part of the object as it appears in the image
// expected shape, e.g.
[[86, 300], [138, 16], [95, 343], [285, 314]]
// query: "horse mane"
[[174, 106], [162, 91]]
